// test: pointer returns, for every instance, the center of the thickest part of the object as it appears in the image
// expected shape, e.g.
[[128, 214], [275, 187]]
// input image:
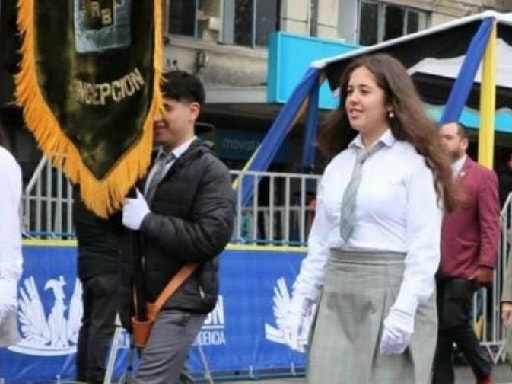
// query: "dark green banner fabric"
[[89, 87], [95, 68]]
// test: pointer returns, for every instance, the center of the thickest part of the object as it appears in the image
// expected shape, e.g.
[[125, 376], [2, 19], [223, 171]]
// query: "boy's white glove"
[[134, 211]]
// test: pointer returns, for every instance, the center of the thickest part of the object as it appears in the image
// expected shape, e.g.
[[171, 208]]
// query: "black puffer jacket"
[[191, 220]]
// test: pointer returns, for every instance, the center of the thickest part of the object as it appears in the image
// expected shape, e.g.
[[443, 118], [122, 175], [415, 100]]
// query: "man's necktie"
[[160, 170], [348, 203]]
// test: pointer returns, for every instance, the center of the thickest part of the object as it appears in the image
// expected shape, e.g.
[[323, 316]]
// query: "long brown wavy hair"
[[410, 122]]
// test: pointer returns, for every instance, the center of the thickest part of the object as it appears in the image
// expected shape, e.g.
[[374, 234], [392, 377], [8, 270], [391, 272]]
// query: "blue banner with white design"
[[242, 334]]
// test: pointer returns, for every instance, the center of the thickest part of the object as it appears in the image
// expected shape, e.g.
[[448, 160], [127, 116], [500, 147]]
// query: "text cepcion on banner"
[[117, 90]]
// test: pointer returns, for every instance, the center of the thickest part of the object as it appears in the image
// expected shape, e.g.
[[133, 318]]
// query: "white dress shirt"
[[178, 151], [10, 228], [397, 209], [458, 164]]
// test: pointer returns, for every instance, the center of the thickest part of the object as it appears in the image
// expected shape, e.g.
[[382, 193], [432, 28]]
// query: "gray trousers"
[[164, 356]]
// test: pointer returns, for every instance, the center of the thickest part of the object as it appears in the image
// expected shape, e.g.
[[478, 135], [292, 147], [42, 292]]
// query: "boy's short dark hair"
[[183, 86]]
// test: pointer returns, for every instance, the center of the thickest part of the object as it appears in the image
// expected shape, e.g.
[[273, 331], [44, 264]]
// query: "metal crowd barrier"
[[47, 204], [493, 331], [279, 213]]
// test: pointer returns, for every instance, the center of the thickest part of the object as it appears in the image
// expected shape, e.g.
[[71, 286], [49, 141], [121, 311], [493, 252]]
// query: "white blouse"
[[10, 228], [397, 209]]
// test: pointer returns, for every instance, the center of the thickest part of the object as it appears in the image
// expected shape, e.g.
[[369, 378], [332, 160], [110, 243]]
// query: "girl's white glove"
[[293, 331], [397, 332]]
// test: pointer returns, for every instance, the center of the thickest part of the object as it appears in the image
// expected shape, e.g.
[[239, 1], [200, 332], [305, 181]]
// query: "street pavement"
[[502, 374]]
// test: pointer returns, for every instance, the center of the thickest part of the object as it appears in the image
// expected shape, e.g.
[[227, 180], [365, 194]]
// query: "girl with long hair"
[[374, 246]]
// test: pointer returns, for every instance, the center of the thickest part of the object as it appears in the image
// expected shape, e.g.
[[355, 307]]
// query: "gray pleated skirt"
[[360, 288]]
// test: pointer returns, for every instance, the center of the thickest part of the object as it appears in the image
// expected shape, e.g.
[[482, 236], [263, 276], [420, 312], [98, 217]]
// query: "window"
[[244, 22], [380, 21], [369, 24], [244, 13], [251, 21], [182, 17], [268, 13], [393, 22]]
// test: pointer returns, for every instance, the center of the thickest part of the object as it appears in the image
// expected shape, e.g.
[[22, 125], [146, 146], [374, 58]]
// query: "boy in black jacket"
[[184, 213]]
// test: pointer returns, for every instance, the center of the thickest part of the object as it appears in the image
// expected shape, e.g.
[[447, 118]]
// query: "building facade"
[[225, 43], [225, 40]]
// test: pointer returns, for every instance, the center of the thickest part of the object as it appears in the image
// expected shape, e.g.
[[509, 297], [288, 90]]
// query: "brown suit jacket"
[[470, 235]]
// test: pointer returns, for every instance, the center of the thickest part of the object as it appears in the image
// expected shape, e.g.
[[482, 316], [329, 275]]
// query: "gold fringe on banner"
[[103, 196]]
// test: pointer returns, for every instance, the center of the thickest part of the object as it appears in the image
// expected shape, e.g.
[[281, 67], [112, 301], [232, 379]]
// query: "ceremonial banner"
[[89, 87]]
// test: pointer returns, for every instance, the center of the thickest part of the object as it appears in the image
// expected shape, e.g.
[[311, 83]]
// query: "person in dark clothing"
[[505, 181], [98, 271], [185, 214]]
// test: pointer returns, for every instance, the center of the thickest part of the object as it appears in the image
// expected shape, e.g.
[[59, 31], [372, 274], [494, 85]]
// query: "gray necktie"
[[160, 170], [348, 203]]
